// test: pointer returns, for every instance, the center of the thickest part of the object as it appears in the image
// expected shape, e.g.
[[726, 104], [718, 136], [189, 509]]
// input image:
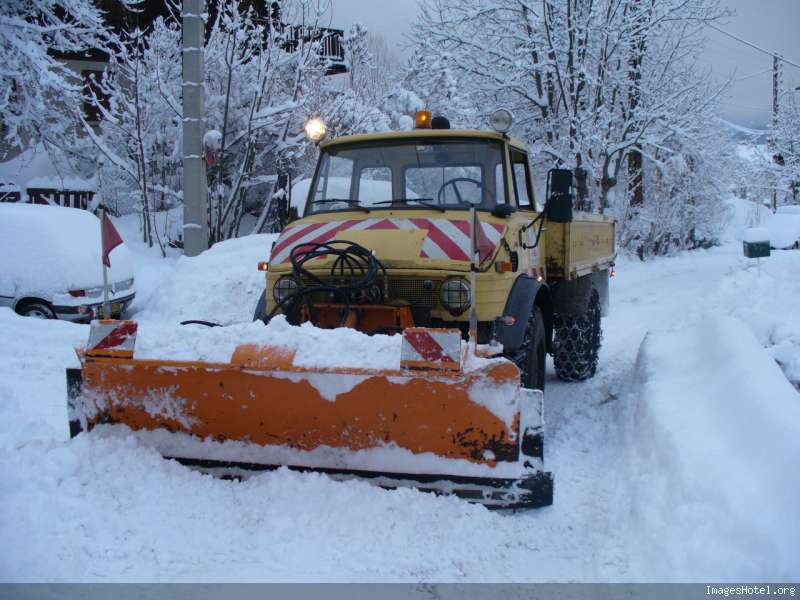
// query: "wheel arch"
[[545, 303], [24, 301], [526, 293]]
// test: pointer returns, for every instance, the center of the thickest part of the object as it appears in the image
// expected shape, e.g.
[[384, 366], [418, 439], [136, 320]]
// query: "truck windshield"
[[413, 174]]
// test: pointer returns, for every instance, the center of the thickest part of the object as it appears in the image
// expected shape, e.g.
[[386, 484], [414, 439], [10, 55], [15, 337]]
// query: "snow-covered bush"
[[35, 87]]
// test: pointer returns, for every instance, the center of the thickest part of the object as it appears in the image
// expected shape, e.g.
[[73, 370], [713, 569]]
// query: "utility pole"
[[195, 187], [776, 82]]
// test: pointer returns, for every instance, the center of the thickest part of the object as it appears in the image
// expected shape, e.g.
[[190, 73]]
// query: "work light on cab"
[[501, 120], [316, 129]]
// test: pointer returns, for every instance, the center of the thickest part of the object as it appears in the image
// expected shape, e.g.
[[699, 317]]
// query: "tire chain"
[[575, 355]]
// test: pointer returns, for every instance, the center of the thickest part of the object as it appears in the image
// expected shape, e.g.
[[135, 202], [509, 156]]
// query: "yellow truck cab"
[[387, 230]]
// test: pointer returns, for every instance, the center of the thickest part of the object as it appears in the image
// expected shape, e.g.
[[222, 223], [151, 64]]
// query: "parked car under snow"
[[50, 264], [784, 228]]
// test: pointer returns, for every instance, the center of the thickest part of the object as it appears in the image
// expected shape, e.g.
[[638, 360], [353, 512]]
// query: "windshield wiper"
[[426, 202], [348, 201]]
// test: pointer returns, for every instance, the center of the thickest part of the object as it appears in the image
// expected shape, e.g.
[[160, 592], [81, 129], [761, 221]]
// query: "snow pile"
[[762, 297], [46, 249], [151, 270], [33, 355], [109, 509], [222, 285], [783, 228], [315, 348], [713, 453]]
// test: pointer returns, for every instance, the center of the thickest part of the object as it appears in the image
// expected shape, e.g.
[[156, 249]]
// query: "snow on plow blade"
[[469, 430]]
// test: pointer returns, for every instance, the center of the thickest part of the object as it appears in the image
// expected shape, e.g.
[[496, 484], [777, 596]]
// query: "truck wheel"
[[576, 342], [260, 313], [530, 358]]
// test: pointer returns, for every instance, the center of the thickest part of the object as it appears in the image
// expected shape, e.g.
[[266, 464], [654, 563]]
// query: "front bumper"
[[86, 312]]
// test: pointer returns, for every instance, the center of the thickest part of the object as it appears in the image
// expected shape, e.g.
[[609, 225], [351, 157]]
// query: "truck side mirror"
[[558, 205]]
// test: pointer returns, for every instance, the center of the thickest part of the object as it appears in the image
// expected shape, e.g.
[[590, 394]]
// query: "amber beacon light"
[[424, 118]]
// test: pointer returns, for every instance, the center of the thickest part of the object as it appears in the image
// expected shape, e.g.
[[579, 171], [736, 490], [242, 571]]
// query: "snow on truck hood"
[[53, 249]]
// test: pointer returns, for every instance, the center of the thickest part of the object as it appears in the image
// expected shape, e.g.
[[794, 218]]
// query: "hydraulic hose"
[[354, 277]]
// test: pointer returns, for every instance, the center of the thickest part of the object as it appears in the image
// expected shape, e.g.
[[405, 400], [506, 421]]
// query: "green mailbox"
[[756, 249], [756, 242]]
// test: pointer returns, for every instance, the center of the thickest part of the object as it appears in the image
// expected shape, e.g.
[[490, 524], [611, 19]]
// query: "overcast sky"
[[771, 24]]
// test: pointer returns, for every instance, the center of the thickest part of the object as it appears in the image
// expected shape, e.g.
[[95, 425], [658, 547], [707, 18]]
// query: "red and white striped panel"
[[112, 338], [446, 239], [425, 348]]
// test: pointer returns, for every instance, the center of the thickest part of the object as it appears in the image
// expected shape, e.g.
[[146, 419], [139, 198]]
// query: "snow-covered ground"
[[677, 462]]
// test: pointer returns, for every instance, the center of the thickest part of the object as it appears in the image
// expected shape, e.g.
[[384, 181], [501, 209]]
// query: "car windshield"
[[416, 173]]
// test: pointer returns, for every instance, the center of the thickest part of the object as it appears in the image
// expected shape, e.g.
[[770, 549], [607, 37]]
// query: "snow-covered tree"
[[353, 103], [785, 137], [600, 87], [35, 87], [137, 141], [261, 78]]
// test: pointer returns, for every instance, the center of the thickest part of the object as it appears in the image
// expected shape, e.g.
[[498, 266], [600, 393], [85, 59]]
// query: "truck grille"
[[413, 291]]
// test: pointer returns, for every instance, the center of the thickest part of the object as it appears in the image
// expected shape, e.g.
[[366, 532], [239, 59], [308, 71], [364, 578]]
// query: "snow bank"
[[714, 449], [109, 509], [222, 284], [762, 298], [47, 249], [789, 210], [783, 228], [33, 356], [318, 348]]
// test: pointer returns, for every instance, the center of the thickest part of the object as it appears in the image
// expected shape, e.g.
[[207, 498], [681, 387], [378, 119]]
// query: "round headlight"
[[501, 120], [316, 129], [455, 295], [283, 288]]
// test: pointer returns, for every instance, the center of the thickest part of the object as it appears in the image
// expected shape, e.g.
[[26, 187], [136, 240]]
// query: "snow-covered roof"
[[34, 169], [75, 184]]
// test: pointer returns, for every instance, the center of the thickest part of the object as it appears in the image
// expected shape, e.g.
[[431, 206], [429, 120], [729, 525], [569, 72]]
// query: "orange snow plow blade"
[[469, 431]]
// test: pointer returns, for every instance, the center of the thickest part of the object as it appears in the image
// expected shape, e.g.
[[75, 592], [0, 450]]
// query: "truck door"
[[529, 258]]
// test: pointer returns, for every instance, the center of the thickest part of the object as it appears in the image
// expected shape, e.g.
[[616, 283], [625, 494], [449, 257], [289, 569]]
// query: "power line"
[[752, 45], [756, 74]]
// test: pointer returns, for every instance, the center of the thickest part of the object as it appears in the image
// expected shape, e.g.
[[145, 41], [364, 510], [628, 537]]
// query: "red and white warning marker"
[[425, 348], [112, 338]]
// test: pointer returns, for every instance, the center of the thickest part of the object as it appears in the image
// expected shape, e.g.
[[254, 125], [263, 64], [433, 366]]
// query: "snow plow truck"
[[432, 235]]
